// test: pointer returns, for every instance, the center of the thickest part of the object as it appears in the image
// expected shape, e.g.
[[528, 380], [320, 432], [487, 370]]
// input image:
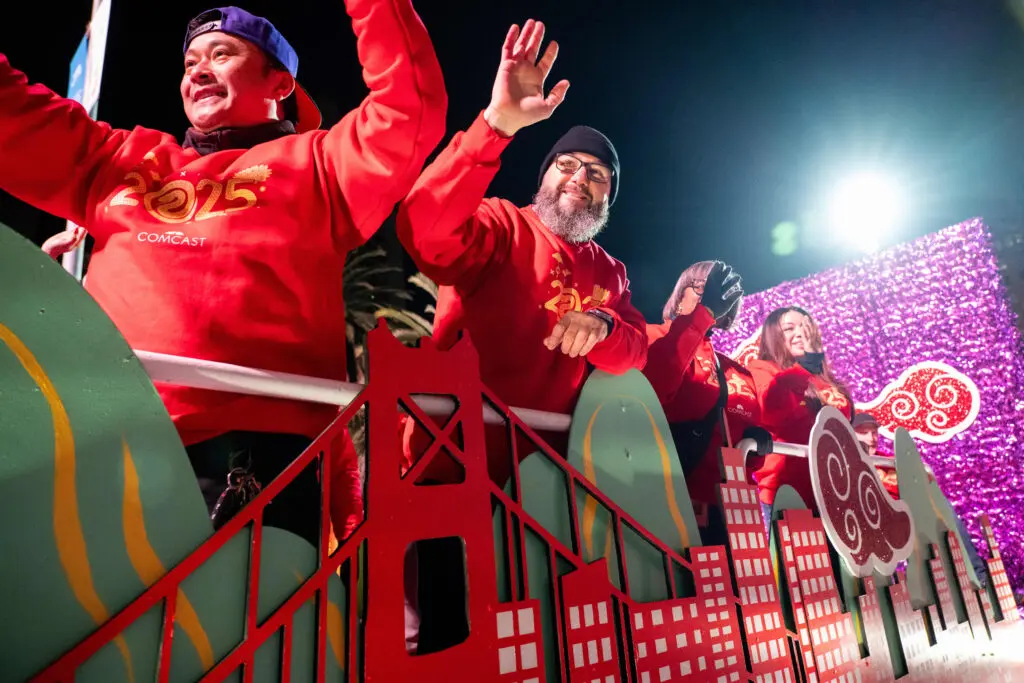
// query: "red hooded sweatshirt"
[[236, 256], [680, 367], [784, 413], [507, 279]]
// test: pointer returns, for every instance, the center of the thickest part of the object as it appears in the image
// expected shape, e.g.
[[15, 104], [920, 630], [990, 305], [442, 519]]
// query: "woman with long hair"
[[794, 381], [699, 388]]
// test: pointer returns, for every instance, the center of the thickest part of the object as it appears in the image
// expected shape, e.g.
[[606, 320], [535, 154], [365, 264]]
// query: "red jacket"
[[235, 256], [680, 368], [888, 477], [784, 413], [506, 279]]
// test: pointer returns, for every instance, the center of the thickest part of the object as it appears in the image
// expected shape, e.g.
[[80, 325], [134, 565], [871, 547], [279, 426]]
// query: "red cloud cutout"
[[931, 400], [871, 531]]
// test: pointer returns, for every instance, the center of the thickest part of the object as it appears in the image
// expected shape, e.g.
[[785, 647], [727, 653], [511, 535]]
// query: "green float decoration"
[[98, 500], [620, 441]]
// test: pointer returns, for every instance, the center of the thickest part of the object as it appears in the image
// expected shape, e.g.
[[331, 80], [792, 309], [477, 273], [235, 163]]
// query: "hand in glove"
[[721, 290]]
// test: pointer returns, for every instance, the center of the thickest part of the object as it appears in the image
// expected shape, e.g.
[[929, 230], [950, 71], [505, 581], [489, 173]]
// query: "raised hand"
[[722, 290], [517, 98], [63, 242]]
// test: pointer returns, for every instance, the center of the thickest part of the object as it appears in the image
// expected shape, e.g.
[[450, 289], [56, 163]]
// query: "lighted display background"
[[936, 299]]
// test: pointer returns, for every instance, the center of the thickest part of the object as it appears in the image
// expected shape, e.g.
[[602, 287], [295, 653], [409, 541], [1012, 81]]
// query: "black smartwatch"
[[605, 316]]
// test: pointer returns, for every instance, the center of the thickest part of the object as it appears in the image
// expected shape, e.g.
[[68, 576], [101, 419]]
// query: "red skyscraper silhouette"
[[589, 618], [997, 574], [815, 598], [752, 571], [878, 665]]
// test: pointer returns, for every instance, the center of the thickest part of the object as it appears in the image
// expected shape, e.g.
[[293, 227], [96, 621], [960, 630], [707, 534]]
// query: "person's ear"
[[284, 86]]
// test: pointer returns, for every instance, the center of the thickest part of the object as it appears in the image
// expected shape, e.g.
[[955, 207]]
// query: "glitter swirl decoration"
[[869, 530], [939, 299], [932, 401]]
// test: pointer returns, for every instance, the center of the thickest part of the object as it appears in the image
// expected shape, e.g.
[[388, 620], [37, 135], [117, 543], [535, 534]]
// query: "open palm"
[[517, 99]]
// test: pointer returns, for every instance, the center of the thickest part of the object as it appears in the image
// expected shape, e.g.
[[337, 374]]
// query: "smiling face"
[[574, 196], [796, 333], [230, 83]]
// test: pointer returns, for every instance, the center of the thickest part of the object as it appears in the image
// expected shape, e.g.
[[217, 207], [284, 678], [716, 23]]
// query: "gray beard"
[[577, 226]]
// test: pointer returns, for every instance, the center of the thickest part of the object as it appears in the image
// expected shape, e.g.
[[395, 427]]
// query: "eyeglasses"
[[698, 286], [568, 164]]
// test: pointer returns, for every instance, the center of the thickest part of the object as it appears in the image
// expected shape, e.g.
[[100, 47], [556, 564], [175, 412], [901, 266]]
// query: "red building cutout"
[[836, 654], [967, 590], [520, 647], [670, 641], [710, 567], [942, 590], [910, 624], [753, 574], [997, 574], [878, 664], [589, 618]]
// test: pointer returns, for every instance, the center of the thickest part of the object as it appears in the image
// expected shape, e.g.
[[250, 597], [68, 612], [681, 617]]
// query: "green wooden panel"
[[620, 440], [97, 497], [933, 516]]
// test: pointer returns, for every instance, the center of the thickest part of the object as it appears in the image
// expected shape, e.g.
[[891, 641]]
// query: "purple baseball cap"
[[261, 33]]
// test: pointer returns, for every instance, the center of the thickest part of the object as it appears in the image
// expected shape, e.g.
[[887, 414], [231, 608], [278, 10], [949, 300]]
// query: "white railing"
[[215, 376]]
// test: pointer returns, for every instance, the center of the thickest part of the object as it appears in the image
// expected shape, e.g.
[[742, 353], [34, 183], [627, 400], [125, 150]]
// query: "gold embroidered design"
[[179, 201], [832, 397], [737, 387], [568, 297], [599, 298], [707, 366]]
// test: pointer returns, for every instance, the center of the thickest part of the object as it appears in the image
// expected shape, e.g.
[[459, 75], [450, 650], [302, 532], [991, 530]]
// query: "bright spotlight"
[[864, 208]]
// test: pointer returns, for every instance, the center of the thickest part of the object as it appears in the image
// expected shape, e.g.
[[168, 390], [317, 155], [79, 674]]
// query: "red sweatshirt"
[[235, 256], [784, 413], [888, 476], [506, 279], [680, 367]]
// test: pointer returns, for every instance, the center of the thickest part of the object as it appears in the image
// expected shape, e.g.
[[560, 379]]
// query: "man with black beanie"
[[541, 301]]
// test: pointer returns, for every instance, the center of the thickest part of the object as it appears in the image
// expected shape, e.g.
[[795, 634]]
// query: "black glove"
[[721, 290], [762, 437], [813, 363]]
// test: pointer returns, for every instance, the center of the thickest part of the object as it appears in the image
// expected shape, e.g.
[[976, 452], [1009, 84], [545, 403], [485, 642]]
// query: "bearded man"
[[541, 301]]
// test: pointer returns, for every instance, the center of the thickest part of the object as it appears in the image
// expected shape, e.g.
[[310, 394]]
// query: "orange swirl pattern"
[[67, 525]]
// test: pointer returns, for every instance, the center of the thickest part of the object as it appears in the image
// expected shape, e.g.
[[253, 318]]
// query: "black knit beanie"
[[589, 141]]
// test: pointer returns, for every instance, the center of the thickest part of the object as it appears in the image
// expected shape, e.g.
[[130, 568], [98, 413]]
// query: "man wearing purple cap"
[[230, 247]]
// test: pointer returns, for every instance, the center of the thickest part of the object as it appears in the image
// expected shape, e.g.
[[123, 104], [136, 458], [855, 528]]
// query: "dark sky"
[[729, 116]]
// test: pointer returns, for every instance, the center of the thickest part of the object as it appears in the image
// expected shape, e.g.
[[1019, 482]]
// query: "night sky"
[[729, 116]]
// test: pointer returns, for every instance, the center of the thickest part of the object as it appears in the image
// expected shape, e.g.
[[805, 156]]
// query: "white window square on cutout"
[[507, 660], [528, 656], [525, 621], [505, 628]]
